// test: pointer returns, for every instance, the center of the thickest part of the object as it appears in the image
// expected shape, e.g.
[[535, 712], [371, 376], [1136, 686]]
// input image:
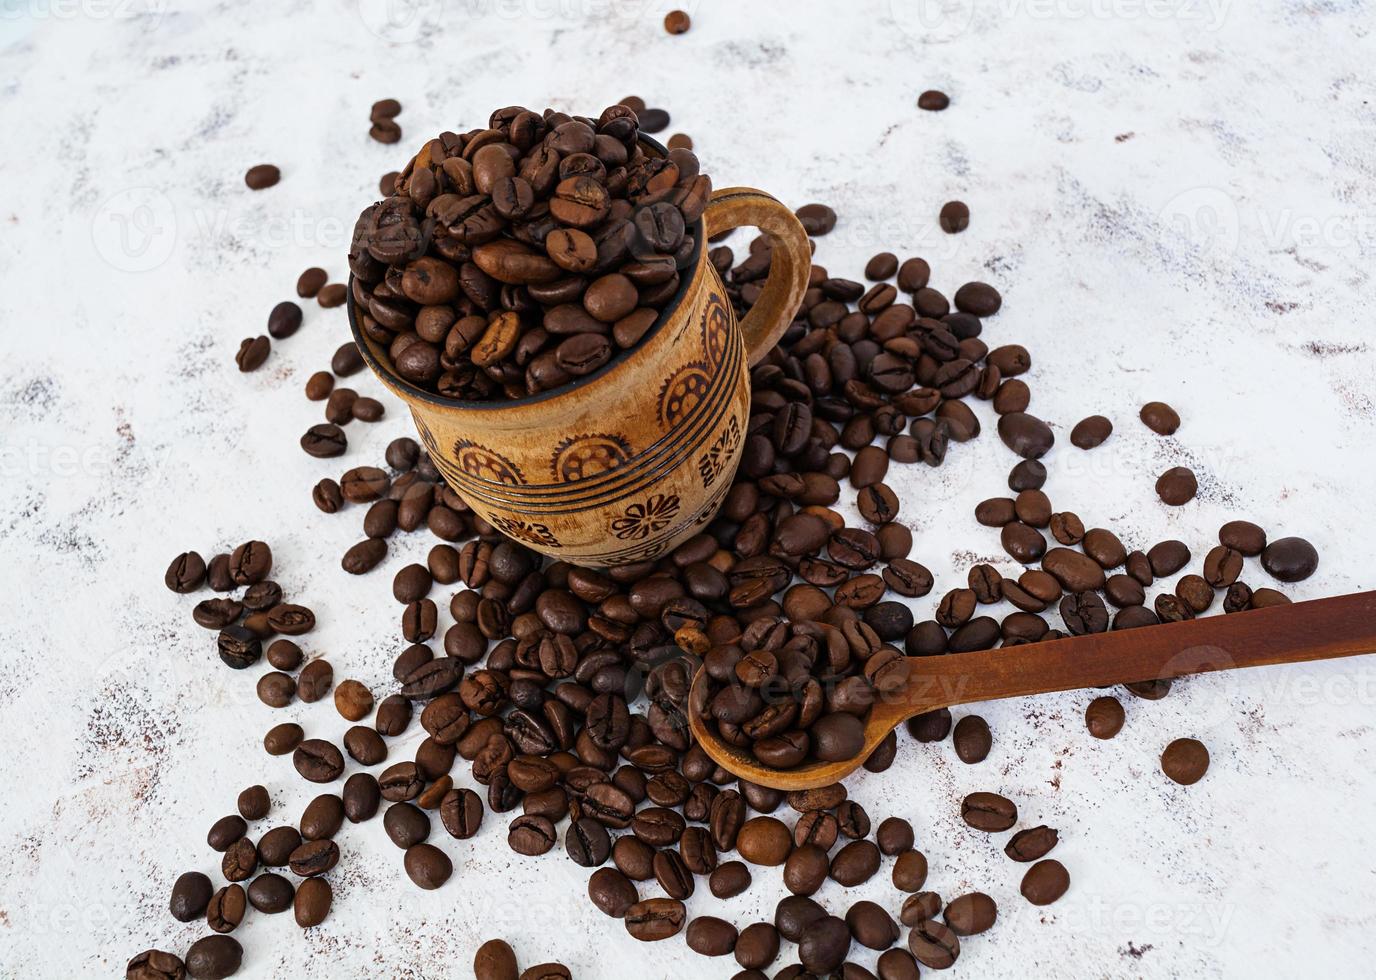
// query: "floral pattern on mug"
[[642, 520]]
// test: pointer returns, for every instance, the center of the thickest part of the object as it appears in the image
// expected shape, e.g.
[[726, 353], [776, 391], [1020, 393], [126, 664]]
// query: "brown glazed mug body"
[[623, 465]]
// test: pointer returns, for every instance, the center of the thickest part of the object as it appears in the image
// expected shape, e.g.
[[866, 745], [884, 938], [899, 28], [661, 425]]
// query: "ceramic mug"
[[622, 465]]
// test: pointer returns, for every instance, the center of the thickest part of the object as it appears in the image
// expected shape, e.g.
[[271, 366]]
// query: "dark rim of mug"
[[385, 370]]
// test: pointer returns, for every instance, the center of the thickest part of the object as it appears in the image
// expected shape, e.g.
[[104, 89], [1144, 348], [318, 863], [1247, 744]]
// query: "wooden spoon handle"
[[1340, 626]]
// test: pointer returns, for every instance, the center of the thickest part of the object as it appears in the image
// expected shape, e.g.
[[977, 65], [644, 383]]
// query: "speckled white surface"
[[1176, 200]]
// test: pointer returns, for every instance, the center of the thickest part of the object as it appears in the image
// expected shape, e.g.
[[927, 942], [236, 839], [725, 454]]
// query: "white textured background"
[[1176, 200]]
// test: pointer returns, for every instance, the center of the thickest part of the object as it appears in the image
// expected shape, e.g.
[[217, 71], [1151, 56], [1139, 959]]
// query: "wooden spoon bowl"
[[1341, 626]]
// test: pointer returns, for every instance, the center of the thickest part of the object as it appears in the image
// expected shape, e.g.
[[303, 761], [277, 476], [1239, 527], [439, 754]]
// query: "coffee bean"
[[312, 903], [988, 812], [310, 282], [186, 573], [226, 909], [678, 22], [910, 871], [823, 947], [1025, 434], [324, 441], [954, 217], [271, 893], [190, 894], [262, 176], [1160, 418], [155, 964], [1031, 844], [1029, 474], [817, 219], [495, 960], [764, 841], [972, 739], [934, 944], [352, 700], [654, 919], [314, 681], [969, 915], [318, 761], [1185, 761], [855, 863], [214, 957], [364, 556], [1091, 432], [1168, 557], [1290, 559], [1177, 486], [933, 100], [427, 866], [252, 353], [871, 926]]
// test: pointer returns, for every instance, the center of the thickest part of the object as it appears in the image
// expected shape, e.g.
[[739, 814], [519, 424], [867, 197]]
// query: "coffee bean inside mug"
[[515, 258]]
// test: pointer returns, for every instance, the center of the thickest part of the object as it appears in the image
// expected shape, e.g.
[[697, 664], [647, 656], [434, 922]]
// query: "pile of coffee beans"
[[514, 258], [565, 689]]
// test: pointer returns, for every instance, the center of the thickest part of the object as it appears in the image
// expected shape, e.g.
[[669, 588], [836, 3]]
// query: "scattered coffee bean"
[[262, 176], [1185, 761]]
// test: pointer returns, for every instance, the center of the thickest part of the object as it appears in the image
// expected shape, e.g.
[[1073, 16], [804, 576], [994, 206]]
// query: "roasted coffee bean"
[[239, 647], [823, 947], [1091, 432], [972, 739], [276, 846], [612, 892], [1290, 559], [318, 760], [240, 860], [1045, 882], [855, 863], [314, 681], [1160, 418], [934, 944], [988, 812], [969, 915], [226, 831], [654, 919], [1177, 486], [933, 101], [729, 879], [427, 866], [271, 893], [361, 796], [1031, 844], [252, 353], [495, 960], [155, 964], [312, 903], [871, 925], [190, 894], [1104, 717], [954, 217], [324, 441], [1026, 435], [215, 957], [1185, 761], [1168, 557]]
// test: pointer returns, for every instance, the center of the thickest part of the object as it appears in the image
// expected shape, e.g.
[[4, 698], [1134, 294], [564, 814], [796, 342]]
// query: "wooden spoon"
[[1319, 630]]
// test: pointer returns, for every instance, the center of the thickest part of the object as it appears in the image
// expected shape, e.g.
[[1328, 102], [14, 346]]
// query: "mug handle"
[[790, 264]]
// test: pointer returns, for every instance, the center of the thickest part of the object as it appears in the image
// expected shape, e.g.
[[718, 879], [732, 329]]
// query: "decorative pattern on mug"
[[530, 532], [716, 329], [583, 456], [482, 463], [681, 392], [641, 520], [712, 463]]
